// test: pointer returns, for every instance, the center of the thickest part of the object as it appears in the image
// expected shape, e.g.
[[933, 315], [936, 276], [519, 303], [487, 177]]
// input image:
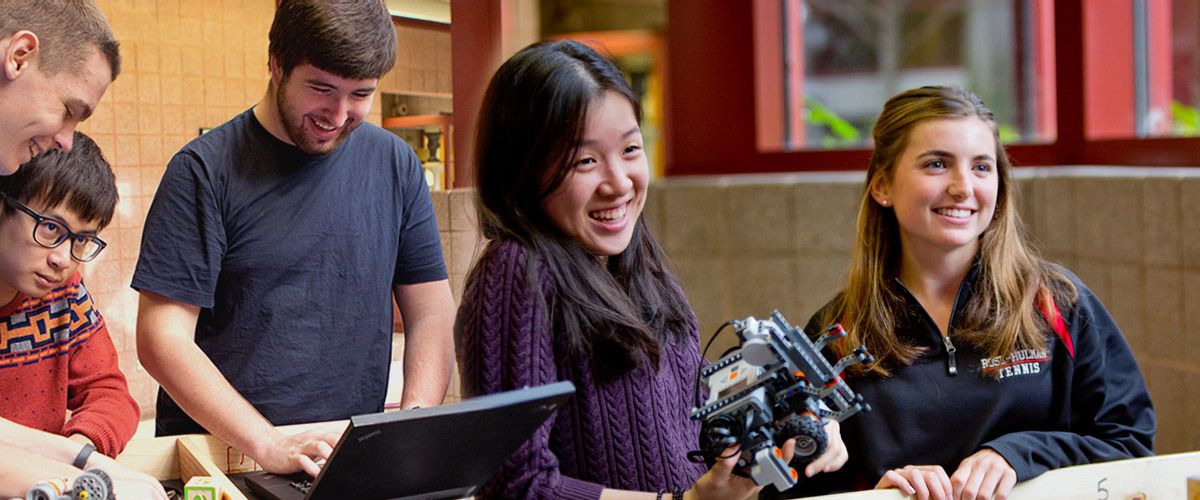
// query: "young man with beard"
[[274, 246], [57, 57]]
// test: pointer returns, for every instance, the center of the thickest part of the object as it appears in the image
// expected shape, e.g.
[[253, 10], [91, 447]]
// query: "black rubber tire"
[[810, 437]]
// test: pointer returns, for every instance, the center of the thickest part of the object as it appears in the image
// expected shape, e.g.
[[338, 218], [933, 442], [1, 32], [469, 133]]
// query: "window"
[[842, 59]]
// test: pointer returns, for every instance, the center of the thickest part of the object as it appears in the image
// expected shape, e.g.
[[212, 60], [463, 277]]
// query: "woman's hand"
[[721, 483], [835, 455], [983, 474], [924, 481]]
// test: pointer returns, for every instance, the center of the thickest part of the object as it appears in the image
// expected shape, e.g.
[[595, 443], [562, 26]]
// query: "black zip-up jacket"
[[1071, 404]]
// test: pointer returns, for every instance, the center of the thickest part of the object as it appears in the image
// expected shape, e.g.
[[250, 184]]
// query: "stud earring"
[[884, 203]]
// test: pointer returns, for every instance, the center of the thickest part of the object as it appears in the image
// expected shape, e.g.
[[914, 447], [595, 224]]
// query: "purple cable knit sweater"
[[632, 433]]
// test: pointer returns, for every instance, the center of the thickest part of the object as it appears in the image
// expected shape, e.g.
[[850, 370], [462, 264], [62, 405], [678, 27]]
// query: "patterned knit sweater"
[[630, 433], [56, 357]]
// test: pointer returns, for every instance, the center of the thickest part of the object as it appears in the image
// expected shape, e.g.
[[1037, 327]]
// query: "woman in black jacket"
[[992, 365]]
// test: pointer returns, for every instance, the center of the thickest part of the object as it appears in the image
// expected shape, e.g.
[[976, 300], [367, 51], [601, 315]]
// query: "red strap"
[[1054, 317]]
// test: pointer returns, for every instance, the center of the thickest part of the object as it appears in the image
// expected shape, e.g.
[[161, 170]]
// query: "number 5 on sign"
[[1164, 476]]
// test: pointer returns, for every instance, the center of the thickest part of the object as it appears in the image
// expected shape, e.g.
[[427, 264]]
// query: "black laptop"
[[442, 452]]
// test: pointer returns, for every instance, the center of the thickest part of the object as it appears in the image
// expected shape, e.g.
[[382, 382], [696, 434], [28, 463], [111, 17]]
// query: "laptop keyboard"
[[302, 484]]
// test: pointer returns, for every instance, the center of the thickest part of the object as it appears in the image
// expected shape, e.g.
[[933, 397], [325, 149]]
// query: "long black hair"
[[530, 126]]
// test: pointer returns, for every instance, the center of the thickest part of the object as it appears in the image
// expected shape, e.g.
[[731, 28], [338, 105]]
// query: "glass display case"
[[424, 122]]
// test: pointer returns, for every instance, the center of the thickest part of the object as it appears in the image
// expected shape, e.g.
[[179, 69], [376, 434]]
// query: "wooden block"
[[1193, 488], [193, 461], [202, 488]]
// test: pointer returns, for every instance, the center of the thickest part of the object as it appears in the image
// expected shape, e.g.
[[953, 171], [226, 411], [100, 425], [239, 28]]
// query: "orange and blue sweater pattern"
[[57, 359]]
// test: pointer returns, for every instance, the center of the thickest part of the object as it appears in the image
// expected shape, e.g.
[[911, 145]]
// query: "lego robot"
[[775, 386]]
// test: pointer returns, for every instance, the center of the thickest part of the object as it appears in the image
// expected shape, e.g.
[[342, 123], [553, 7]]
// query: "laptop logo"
[[370, 435]]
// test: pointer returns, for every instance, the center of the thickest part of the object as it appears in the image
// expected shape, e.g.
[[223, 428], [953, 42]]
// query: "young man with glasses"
[[62, 395]]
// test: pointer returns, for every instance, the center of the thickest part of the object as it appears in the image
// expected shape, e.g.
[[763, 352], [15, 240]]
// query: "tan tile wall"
[[745, 246], [187, 65], [423, 61], [461, 244]]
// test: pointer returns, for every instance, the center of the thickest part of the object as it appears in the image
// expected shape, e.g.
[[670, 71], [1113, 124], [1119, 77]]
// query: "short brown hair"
[[350, 38], [65, 29], [80, 177]]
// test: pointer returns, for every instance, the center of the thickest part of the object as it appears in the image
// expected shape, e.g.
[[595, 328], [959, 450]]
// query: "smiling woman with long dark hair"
[[572, 286]]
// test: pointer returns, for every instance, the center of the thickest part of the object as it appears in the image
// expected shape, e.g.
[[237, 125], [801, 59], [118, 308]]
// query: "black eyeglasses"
[[50, 232]]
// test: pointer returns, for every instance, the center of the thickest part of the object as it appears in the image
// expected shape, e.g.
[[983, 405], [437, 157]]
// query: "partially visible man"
[[276, 243], [58, 56]]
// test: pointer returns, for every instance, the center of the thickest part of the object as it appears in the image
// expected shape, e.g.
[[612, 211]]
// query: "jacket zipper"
[[951, 362], [951, 365]]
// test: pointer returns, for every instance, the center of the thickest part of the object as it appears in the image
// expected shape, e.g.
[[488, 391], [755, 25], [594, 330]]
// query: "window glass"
[[842, 59], [1143, 65], [1180, 54]]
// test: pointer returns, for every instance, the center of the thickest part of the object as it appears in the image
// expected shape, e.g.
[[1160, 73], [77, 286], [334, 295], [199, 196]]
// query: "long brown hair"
[[1003, 315]]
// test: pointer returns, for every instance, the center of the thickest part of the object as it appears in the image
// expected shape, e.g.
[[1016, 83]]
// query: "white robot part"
[[769, 468], [49, 489], [756, 346]]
